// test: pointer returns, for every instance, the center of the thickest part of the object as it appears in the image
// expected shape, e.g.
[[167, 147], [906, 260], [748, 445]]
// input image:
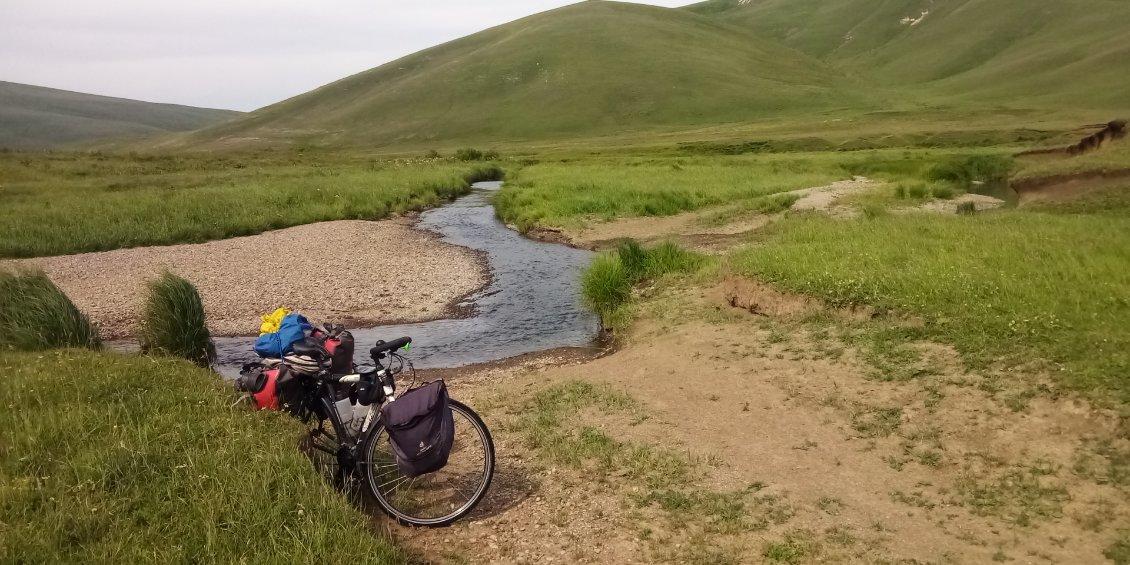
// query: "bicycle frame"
[[325, 408]]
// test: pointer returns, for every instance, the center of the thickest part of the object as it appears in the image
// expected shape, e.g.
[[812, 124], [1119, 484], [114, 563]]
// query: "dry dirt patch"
[[843, 466], [352, 272]]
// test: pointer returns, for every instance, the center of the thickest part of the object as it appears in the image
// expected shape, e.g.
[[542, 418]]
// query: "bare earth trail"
[[352, 272], [801, 452]]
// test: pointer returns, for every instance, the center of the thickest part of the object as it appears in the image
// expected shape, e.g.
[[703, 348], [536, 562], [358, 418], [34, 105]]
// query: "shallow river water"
[[532, 304]]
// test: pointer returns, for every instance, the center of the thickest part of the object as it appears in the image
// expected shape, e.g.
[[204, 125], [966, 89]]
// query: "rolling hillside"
[[576, 71], [598, 68], [39, 117], [1021, 52]]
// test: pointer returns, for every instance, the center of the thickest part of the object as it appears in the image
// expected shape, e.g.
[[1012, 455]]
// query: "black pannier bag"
[[420, 428], [289, 388]]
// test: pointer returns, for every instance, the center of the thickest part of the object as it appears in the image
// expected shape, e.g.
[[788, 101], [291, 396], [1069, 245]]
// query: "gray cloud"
[[236, 54]]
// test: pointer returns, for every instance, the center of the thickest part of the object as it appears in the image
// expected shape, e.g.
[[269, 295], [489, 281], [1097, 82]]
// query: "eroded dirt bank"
[[717, 435], [352, 272]]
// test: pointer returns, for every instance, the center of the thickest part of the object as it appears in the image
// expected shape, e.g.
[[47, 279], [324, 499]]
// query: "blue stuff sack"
[[294, 327]]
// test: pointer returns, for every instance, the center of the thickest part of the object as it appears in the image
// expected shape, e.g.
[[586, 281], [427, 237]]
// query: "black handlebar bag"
[[421, 428]]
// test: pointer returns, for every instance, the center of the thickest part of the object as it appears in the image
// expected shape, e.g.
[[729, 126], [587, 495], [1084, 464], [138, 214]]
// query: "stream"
[[533, 302]]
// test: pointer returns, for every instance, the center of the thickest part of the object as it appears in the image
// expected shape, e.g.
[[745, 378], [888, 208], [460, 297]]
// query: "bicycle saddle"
[[310, 347]]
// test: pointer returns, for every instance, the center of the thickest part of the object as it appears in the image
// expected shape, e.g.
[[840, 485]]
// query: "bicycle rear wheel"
[[435, 499]]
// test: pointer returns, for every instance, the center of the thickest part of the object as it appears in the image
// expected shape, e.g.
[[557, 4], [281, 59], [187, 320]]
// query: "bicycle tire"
[[377, 436]]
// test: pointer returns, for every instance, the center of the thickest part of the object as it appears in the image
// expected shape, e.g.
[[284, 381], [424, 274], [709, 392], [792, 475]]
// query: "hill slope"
[[1037, 52], [38, 117], [580, 70]]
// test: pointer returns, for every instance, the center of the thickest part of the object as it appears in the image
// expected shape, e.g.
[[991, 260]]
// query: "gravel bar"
[[351, 272]]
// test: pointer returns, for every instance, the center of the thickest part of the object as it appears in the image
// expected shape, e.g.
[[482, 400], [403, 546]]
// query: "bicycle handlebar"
[[381, 347]]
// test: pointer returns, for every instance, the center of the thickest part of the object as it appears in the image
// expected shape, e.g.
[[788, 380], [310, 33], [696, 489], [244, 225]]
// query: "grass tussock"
[[125, 459], [606, 285], [1005, 287], [174, 323], [472, 154], [59, 203], [964, 170], [36, 315]]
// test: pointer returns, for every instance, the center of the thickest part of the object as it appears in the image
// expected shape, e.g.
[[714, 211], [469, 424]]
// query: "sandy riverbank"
[[352, 272]]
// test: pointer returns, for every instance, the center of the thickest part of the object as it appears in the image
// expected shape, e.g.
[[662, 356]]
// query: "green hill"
[[580, 70], [38, 117], [607, 68], [1027, 53]]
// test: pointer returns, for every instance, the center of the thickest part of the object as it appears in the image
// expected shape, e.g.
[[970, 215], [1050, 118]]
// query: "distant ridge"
[[40, 117]]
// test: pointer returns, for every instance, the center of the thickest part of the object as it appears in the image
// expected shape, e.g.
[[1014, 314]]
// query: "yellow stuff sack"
[[271, 321]]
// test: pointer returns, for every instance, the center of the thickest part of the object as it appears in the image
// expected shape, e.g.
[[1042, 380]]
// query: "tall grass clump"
[[468, 154], [174, 323], [124, 459], [964, 170], [668, 257], [634, 258], [484, 173], [606, 285], [606, 288], [35, 315]]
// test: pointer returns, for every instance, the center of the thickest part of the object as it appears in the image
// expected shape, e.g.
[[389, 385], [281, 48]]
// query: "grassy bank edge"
[[120, 458]]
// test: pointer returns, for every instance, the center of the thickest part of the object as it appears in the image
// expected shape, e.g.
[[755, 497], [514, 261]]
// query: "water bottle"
[[345, 411]]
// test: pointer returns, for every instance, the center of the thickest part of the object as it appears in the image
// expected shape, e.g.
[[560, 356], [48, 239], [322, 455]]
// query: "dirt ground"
[[738, 424], [352, 272], [792, 445]]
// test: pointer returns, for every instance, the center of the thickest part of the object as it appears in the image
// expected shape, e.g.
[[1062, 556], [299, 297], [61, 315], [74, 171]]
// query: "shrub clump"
[[174, 323], [36, 315], [606, 285], [472, 154]]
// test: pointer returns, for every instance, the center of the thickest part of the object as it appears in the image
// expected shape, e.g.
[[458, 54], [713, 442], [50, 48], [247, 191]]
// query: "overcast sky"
[[234, 54]]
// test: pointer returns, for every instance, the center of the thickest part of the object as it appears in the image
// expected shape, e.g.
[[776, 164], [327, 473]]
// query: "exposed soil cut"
[[351, 272]]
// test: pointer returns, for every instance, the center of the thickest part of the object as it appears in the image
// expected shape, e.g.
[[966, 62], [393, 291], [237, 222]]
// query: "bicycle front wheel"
[[440, 498]]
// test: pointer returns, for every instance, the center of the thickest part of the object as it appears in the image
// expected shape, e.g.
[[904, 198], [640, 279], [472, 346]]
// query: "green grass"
[[1021, 52], [1111, 158], [572, 193], [606, 285], [606, 289], [585, 69], [1113, 199], [173, 322], [52, 204], [797, 546], [127, 459], [1011, 286], [33, 116], [35, 315]]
